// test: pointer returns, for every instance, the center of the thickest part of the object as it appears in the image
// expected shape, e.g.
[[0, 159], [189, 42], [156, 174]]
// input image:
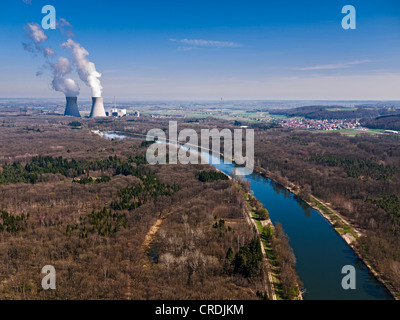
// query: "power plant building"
[[71, 108], [97, 108], [117, 113]]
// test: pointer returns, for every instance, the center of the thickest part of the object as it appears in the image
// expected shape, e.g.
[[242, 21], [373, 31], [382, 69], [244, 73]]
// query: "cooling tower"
[[72, 107], [97, 108]]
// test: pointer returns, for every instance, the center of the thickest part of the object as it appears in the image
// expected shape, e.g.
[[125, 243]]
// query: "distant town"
[[331, 124]]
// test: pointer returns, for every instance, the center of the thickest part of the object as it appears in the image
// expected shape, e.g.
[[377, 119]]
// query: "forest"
[[113, 226], [387, 122], [207, 176], [357, 168], [33, 171], [335, 112]]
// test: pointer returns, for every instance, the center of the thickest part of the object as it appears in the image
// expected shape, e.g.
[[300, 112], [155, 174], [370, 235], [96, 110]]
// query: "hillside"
[[333, 112], [387, 122]]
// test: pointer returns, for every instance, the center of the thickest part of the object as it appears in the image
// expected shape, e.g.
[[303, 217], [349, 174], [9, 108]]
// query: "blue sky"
[[153, 50]]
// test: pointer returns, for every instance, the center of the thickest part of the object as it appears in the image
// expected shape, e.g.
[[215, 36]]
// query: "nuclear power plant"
[[71, 108], [97, 108]]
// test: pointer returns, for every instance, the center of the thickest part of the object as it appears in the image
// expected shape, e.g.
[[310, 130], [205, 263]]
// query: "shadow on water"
[[279, 189], [306, 208]]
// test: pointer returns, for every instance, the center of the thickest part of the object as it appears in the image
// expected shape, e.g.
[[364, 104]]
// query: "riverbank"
[[341, 225], [270, 278], [273, 269]]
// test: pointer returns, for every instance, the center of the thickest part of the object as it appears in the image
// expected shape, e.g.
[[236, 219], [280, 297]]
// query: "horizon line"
[[216, 99]]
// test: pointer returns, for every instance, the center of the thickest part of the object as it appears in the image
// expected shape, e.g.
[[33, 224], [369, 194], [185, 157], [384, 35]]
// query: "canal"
[[320, 251]]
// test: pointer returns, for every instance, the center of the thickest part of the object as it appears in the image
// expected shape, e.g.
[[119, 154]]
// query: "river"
[[320, 251]]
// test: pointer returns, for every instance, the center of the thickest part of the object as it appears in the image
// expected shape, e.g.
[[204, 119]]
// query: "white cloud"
[[206, 43], [182, 48], [332, 66]]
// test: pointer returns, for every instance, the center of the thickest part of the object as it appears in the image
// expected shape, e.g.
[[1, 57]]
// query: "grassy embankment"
[[266, 242]]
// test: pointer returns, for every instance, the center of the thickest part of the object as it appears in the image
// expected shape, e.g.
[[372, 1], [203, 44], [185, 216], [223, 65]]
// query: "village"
[[331, 124]]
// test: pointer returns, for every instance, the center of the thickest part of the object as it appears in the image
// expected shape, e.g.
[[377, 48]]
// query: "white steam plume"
[[63, 66], [59, 69], [37, 35], [36, 32], [86, 69], [65, 85], [60, 83], [65, 27]]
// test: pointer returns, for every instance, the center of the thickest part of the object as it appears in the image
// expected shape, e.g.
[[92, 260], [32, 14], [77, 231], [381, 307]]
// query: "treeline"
[[265, 126], [31, 172], [285, 260], [262, 126], [40, 165], [259, 210]]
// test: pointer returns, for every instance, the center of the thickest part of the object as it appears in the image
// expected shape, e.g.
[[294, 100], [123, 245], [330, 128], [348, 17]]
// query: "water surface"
[[320, 251]]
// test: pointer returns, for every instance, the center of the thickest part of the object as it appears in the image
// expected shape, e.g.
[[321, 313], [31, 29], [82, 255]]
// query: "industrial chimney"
[[97, 108], [72, 107]]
